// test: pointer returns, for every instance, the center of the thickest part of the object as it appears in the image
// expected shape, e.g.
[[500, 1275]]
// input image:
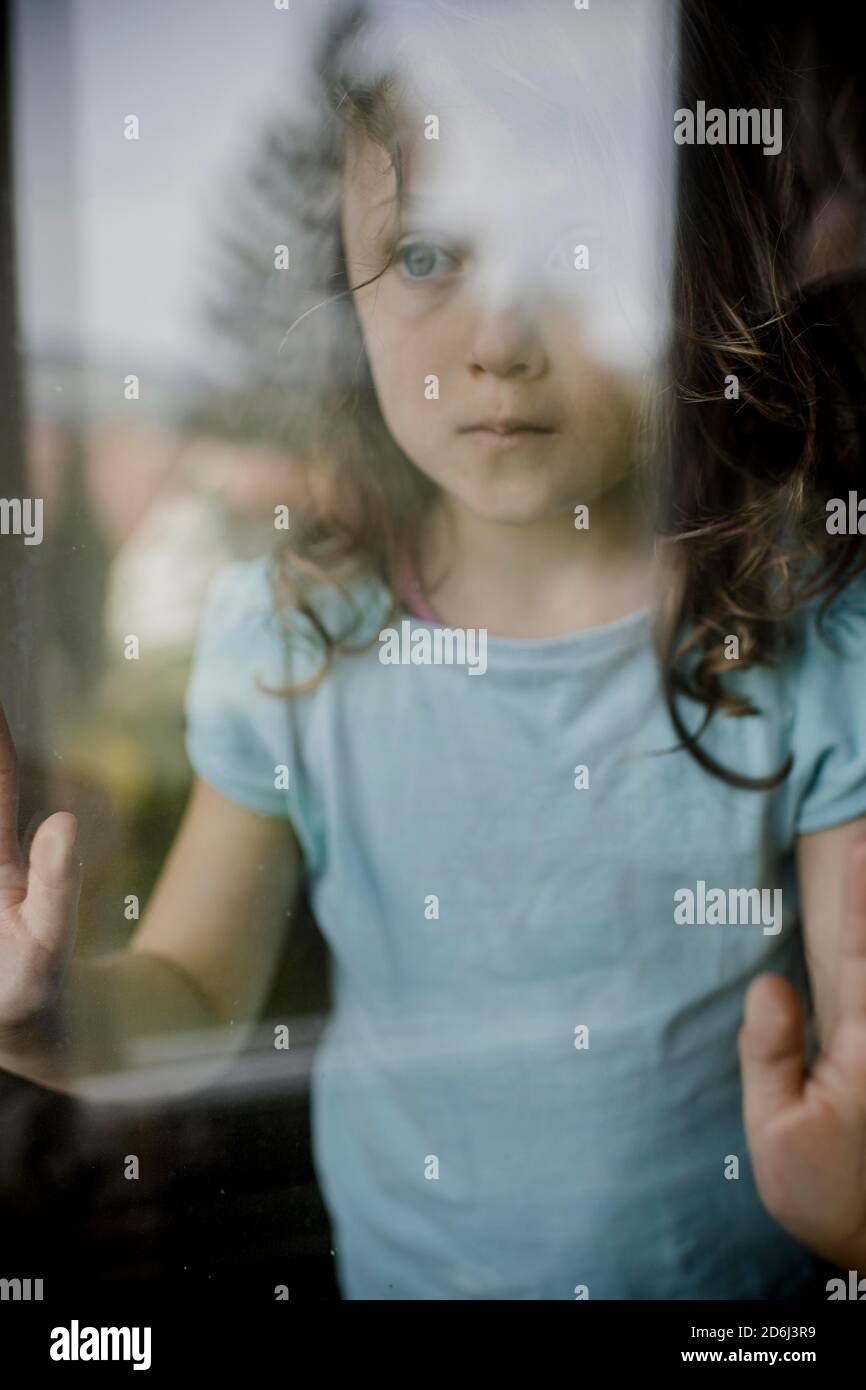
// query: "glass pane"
[[432, 432]]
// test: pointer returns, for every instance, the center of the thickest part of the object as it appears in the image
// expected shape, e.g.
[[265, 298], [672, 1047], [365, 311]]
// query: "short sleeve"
[[239, 737], [829, 729]]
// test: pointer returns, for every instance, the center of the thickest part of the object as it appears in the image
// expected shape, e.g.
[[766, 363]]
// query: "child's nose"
[[506, 340]]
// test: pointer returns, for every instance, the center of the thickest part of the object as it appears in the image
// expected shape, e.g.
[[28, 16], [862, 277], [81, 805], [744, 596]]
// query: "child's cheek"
[[415, 415], [410, 365]]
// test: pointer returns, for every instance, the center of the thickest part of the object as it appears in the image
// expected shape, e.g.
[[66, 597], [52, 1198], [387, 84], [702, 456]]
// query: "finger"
[[851, 992], [53, 882], [10, 852], [772, 1049]]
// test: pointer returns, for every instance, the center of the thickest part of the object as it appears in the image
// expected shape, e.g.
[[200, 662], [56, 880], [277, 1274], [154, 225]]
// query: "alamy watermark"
[[729, 907], [444, 646], [740, 126], [855, 1288], [846, 518], [21, 1290], [22, 516], [76, 1343]]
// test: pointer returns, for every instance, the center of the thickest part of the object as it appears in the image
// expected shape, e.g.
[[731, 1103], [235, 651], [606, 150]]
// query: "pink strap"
[[411, 595]]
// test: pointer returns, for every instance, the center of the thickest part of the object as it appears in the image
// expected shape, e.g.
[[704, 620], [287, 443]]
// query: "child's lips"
[[508, 424], [506, 437], [508, 433]]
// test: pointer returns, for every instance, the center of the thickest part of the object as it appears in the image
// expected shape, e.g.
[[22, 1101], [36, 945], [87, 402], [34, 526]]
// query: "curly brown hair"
[[741, 487]]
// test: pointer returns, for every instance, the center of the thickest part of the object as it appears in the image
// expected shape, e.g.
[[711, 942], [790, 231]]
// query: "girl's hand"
[[38, 905], [807, 1130]]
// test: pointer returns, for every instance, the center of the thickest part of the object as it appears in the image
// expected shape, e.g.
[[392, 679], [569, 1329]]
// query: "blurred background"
[[111, 252]]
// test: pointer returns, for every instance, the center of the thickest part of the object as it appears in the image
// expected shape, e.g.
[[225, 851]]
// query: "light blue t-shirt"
[[529, 1084]]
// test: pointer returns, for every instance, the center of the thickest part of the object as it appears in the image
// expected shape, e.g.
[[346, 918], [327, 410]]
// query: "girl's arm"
[[202, 956], [822, 859], [220, 909], [806, 1128]]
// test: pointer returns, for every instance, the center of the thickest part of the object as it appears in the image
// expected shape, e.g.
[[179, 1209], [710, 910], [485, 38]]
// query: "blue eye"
[[421, 259]]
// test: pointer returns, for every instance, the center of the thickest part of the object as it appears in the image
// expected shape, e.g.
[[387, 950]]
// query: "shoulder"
[[825, 680], [252, 610], [235, 626], [825, 634]]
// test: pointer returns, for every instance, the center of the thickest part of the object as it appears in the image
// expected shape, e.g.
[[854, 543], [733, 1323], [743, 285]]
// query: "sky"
[[110, 230]]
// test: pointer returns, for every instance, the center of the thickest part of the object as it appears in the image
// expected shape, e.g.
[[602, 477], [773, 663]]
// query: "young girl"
[[549, 877]]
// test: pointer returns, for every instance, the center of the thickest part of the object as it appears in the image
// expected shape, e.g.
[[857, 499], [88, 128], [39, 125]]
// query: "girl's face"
[[474, 334]]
